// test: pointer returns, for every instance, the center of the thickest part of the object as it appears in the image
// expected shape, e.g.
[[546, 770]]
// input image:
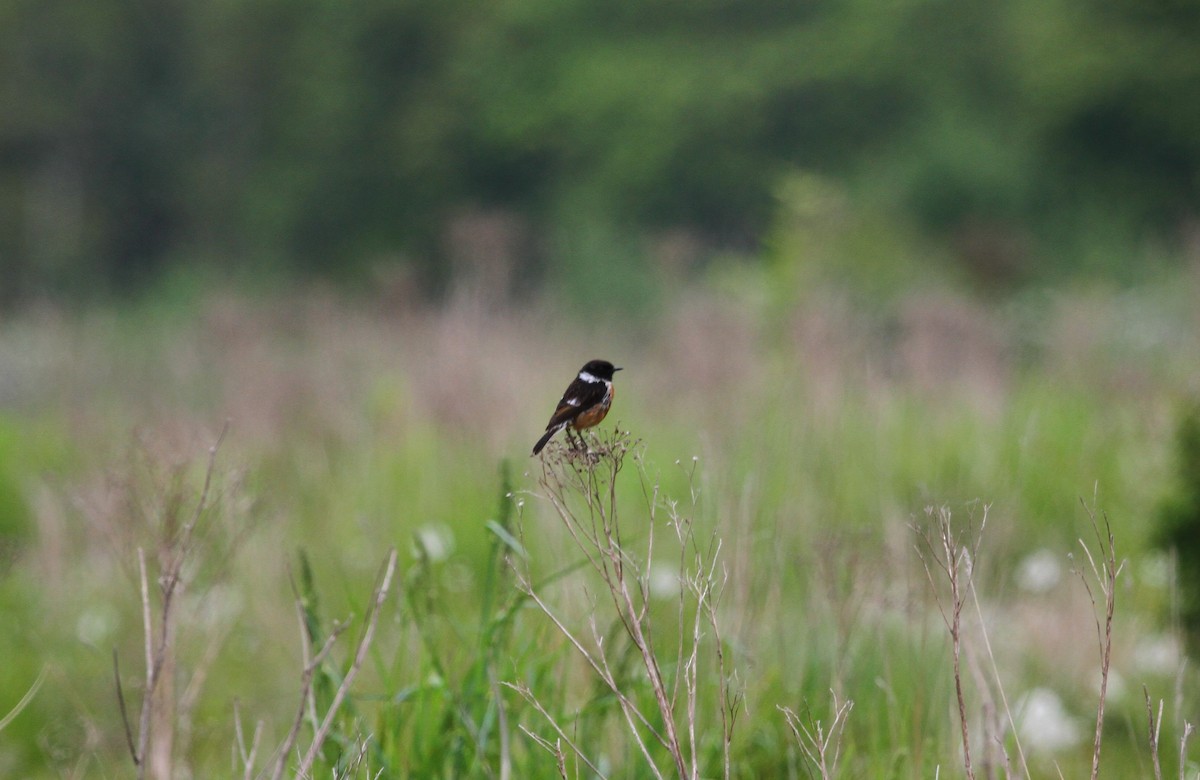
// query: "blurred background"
[[858, 258], [1003, 144]]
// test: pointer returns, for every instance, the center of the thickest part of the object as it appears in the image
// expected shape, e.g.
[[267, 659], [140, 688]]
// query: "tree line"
[[322, 137]]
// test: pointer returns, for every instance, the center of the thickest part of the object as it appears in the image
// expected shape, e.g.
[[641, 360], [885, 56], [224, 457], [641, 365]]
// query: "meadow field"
[[818, 536]]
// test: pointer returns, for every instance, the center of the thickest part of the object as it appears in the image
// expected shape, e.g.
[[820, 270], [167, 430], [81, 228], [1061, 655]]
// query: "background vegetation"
[[867, 267], [1027, 139], [822, 434]]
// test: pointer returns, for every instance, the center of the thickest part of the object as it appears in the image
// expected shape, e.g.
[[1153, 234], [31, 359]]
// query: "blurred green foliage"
[[1179, 521], [15, 524], [28, 449], [309, 136]]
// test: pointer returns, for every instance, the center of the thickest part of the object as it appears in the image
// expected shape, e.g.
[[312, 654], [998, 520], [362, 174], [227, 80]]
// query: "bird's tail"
[[545, 438]]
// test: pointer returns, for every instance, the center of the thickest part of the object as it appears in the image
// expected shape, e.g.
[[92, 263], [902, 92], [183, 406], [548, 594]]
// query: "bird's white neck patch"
[[585, 376]]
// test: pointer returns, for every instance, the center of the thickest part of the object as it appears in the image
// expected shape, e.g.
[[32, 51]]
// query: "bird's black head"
[[601, 369]]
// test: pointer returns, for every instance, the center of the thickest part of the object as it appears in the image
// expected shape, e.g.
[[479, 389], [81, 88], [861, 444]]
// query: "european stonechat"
[[584, 404]]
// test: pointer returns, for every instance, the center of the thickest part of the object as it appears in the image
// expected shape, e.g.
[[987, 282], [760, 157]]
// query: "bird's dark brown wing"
[[580, 395]]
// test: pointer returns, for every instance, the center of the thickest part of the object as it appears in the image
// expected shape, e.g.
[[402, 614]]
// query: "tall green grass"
[[820, 436]]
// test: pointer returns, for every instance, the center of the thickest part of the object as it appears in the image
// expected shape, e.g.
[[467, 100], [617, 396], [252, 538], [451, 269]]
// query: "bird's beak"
[[617, 369]]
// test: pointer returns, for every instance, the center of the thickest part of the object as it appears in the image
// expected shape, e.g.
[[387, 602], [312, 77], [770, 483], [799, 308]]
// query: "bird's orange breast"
[[593, 416]]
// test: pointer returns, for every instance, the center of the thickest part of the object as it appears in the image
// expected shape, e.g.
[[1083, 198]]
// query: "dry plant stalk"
[[1012, 725], [1188, 729], [1154, 727], [948, 553], [321, 732], [1155, 723], [1106, 573], [246, 756], [580, 485], [555, 748], [821, 747], [154, 739]]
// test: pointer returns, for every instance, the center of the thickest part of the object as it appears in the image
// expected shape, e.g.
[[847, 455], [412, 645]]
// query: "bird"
[[585, 402]]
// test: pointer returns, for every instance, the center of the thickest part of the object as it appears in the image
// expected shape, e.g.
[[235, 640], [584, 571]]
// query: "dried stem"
[[525, 693], [247, 757], [581, 489], [1106, 573], [153, 662], [175, 551], [1012, 725], [321, 731], [1188, 728], [599, 665], [124, 710], [360, 656], [821, 747], [955, 560], [306, 678], [1154, 725]]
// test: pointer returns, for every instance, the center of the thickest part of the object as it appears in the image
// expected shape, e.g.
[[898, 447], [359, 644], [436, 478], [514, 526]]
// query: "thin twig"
[[1154, 724], [730, 702], [360, 656], [139, 756], [987, 644], [581, 488], [527, 694], [1188, 728], [247, 757], [597, 532], [124, 710], [553, 748], [306, 679], [1106, 574], [951, 561], [598, 664], [822, 748], [176, 553]]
